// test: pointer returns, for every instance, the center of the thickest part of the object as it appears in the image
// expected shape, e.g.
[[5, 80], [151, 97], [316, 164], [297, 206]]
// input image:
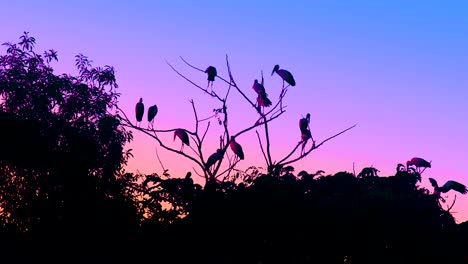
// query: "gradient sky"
[[398, 69]]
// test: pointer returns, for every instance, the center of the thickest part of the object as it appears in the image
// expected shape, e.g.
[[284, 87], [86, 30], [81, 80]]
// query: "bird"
[[449, 185], [285, 75], [182, 134], [304, 123], [418, 163], [211, 71], [236, 148], [258, 87], [263, 101], [214, 158], [152, 112], [262, 96], [139, 110]]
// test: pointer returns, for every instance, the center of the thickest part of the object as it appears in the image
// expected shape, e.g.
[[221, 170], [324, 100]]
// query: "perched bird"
[[214, 158], [368, 172], [418, 163], [263, 101], [236, 148], [449, 185], [211, 71], [182, 134], [304, 123], [285, 75], [262, 96], [152, 112], [139, 110], [258, 87]]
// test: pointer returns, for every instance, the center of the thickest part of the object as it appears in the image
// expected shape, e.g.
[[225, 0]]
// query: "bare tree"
[[211, 167]]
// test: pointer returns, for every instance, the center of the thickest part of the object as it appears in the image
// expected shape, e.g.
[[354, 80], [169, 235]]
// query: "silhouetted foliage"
[[62, 150]]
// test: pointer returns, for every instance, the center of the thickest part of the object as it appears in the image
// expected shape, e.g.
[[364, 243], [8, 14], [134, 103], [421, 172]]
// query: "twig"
[[217, 76], [261, 146], [196, 85], [317, 146]]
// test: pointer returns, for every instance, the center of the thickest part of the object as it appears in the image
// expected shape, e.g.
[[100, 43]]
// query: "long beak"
[[272, 72]]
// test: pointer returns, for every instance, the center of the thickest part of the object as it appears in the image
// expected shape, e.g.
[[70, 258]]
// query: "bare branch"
[[217, 76], [261, 146], [454, 200], [129, 124], [316, 146], [196, 85]]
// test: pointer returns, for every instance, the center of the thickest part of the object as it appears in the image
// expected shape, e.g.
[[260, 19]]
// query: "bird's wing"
[[433, 182], [454, 186]]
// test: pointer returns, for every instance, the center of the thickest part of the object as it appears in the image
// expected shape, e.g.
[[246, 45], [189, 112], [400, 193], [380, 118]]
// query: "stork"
[[236, 148], [211, 71], [418, 163], [182, 134], [258, 87], [152, 112], [262, 96], [449, 185], [304, 123], [285, 75], [139, 110], [215, 157]]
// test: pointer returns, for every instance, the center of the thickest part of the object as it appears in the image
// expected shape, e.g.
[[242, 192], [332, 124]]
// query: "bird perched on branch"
[[449, 185], [236, 148], [139, 110], [182, 134], [214, 158], [211, 71], [304, 123], [258, 87], [418, 163], [262, 96], [152, 112], [285, 75]]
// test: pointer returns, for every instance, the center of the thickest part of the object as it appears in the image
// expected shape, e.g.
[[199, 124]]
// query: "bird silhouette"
[[152, 112], [285, 75], [262, 96], [258, 87], [211, 71], [304, 123], [418, 163], [139, 110], [214, 158], [182, 134], [449, 185], [236, 148]]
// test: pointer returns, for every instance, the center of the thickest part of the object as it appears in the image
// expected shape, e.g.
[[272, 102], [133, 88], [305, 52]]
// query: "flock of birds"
[[262, 101], [419, 163]]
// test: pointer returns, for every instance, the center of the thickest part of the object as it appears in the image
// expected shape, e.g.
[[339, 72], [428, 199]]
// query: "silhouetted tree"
[[210, 164], [62, 151]]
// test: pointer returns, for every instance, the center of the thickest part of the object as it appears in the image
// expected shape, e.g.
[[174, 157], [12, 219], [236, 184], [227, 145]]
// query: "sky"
[[397, 69]]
